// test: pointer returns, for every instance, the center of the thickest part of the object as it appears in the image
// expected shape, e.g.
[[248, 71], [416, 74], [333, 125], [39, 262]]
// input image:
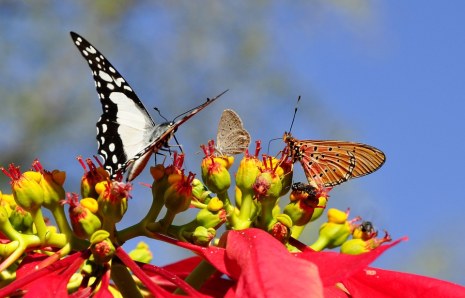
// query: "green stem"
[[134, 231], [199, 275], [167, 220], [23, 242], [266, 213], [123, 280], [140, 229], [198, 204], [177, 231], [224, 197], [296, 231], [319, 244], [40, 225], [155, 208], [247, 212], [62, 223]]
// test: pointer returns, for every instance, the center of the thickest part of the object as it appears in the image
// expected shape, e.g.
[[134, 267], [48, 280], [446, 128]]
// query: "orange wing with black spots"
[[329, 163]]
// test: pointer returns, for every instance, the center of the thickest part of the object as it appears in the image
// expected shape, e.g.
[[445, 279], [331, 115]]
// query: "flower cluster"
[[81, 253]]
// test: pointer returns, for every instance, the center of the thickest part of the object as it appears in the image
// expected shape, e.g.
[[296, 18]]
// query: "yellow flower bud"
[[25, 187], [92, 176], [157, 172], [52, 185], [141, 253], [215, 175], [178, 195], [90, 203], [215, 204], [112, 200], [337, 216], [83, 220], [247, 173]]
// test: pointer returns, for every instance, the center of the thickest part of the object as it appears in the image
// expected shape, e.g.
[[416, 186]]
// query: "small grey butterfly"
[[231, 138]]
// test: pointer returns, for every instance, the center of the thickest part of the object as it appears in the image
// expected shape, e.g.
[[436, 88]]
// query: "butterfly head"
[[287, 137]]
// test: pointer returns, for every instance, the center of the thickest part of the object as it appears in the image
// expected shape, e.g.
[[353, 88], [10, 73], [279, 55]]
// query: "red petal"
[[103, 291], [373, 282], [263, 267], [184, 267], [50, 281], [215, 286], [336, 267], [140, 270]]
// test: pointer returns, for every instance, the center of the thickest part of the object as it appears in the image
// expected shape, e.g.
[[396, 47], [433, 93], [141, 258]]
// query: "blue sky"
[[399, 84], [391, 75]]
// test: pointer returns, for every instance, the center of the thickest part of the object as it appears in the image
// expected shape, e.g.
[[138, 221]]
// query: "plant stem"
[[199, 275]]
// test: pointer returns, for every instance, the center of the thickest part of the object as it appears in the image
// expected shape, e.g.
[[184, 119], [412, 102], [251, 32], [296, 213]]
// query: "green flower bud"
[[307, 204], [354, 247], [8, 201], [84, 222], [91, 177], [267, 185], [199, 191], [99, 236], [141, 253], [358, 246], [280, 228], [178, 195], [215, 175], [247, 173], [211, 219], [285, 220], [102, 251], [21, 220], [202, 236], [334, 232], [26, 189], [113, 199], [52, 184]]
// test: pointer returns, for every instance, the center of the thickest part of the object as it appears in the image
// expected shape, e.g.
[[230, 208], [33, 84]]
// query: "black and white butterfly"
[[126, 134]]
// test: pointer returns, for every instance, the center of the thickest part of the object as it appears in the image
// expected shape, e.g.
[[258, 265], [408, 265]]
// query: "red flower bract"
[[261, 266]]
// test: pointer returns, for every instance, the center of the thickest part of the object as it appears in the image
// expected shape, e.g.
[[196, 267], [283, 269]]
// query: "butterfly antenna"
[[159, 113], [269, 144], [295, 113], [200, 105]]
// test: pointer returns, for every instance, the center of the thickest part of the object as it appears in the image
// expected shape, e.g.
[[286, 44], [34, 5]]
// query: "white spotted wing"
[[231, 138], [126, 134]]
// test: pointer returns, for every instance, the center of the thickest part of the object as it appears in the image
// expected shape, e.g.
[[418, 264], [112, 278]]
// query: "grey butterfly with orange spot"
[[232, 138]]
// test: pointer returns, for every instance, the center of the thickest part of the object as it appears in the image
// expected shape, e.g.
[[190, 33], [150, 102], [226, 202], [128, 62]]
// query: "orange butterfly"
[[329, 163]]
